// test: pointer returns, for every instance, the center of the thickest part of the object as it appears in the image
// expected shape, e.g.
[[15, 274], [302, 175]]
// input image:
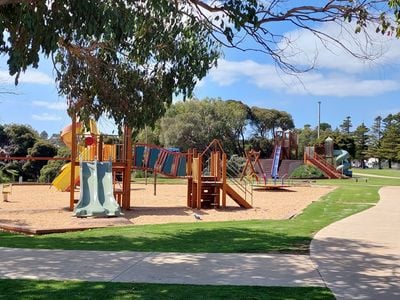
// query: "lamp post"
[[319, 118]]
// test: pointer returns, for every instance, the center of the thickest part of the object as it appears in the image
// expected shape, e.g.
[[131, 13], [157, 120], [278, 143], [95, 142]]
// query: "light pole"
[[319, 117]]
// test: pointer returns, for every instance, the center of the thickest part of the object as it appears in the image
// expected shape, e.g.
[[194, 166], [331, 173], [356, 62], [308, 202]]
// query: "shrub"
[[307, 172]]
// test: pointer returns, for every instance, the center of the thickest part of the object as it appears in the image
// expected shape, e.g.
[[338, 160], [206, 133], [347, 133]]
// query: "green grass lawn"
[[32, 289], [291, 236], [257, 236], [382, 172]]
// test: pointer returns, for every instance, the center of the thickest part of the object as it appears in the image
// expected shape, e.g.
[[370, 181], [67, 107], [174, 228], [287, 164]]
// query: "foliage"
[[346, 125], [20, 139], [124, 58], [41, 148], [53, 167], [65, 290], [307, 172], [235, 165], [361, 142], [127, 58], [265, 146], [266, 121], [390, 142], [44, 135], [194, 124]]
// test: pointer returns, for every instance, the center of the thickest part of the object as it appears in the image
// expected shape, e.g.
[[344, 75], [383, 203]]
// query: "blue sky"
[[346, 86]]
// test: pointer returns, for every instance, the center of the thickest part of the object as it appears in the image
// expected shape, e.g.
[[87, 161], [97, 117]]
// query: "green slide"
[[96, 197]]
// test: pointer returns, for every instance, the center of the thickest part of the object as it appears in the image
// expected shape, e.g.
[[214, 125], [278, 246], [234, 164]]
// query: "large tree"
[[122, 58], [389, 148], [195, 123], [361, 143], [266, 121], [127, 57]]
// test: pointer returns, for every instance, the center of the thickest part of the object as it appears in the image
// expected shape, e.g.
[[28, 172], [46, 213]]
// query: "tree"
[[375, 140], [240, 115], [44, 135], [194, 124], [53, 167], [32, 168], [265, 121], [390, 141], [306, 137], [126, 58], [3, 136], [346, 125], [361, 143], [325, 126], [20, 139]]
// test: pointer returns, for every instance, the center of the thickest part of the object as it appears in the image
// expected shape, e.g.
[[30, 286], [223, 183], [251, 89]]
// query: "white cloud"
[[302, 47], [46, 117], [311, 83], [51, 105], [30, 76]]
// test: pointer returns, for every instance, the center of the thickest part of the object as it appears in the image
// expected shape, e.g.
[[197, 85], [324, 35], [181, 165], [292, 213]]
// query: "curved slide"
[[342, 163]]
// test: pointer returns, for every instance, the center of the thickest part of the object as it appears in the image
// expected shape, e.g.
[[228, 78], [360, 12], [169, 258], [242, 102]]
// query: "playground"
[[41, 208]]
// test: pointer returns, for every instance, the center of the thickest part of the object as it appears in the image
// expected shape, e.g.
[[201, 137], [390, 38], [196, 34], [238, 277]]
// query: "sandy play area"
[[39, 207]]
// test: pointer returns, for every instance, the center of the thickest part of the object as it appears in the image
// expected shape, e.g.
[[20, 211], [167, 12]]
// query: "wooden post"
[[155, 183], [199, 184], [100, 149], [73, 162], [126, 188], [223, 180]]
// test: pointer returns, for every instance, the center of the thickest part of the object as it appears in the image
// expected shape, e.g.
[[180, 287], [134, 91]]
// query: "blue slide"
[[342, 162], [96, 197], [275, 162]]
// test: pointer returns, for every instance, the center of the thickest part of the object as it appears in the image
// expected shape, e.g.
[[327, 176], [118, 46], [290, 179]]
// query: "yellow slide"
[[62, 181]]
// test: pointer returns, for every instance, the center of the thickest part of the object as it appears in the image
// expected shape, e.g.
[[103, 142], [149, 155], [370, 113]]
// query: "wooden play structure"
[[206, 172], [282, 162], [207, 180], [333, 163]]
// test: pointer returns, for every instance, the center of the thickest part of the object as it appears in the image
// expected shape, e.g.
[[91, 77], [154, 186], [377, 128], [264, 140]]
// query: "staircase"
[[319, 162]]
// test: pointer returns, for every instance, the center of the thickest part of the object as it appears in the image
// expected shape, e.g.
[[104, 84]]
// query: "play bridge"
[[159, 160]]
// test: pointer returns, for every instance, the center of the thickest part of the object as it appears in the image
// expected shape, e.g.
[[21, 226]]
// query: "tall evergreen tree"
[[361, 143], [346, 125]]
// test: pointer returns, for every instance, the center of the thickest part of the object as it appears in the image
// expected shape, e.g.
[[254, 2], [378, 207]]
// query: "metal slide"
[[96, 196], [275, 162]]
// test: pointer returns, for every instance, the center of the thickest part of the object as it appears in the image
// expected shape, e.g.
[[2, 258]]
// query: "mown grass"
[[257, 236], [34, 289], [380, 172]]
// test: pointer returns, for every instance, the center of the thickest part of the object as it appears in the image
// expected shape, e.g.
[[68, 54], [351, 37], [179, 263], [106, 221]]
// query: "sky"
[[344, 85]]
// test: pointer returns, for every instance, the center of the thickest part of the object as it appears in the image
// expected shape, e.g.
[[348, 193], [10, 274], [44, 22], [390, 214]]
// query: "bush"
[[50, 171], [307, 172]]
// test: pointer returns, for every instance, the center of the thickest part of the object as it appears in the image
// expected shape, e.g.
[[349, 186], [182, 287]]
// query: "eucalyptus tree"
[[126, 58]]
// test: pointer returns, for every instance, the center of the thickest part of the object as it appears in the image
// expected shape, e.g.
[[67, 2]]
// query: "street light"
[[319, 117]]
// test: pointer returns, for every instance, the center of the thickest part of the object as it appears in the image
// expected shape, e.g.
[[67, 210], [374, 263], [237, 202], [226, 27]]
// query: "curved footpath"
[[359, 257]]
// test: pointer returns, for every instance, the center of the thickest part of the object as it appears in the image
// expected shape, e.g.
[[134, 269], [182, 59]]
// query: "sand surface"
[[43, 207]]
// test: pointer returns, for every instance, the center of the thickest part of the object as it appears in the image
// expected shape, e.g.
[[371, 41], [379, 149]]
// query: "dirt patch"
[[43, 207]]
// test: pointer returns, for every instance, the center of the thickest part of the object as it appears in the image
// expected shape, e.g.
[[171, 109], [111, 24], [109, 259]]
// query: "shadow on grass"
[[194, 237], [31, 289]]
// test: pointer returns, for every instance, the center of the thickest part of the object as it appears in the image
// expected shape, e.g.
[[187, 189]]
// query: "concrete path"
[[359, 257], [199, 268]]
